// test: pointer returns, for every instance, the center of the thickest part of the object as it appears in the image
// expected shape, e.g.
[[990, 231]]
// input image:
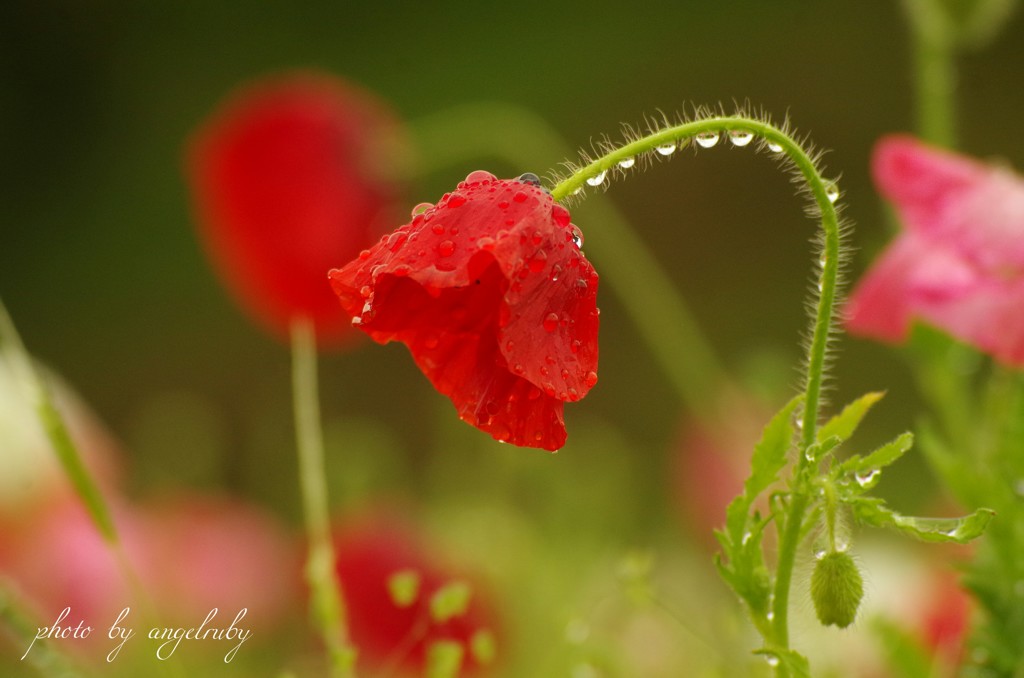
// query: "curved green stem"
[[820, 189], [327, 601], [654, 305]]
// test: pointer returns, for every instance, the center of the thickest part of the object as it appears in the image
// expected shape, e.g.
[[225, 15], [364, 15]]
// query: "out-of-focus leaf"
[[903, 653], [846, 422], [873, 511], [770, 452], [795, 662]]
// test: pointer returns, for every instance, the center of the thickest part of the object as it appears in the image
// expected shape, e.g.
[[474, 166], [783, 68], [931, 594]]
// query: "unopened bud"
[[837, 589]]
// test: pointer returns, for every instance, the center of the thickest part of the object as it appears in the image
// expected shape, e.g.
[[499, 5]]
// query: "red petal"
[[495, 302]]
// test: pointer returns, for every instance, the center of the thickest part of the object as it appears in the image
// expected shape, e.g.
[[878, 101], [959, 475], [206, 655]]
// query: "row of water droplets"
[[737, 137]]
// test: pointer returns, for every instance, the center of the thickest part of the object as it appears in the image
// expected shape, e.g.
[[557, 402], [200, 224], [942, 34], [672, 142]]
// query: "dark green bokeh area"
[[102, 272]]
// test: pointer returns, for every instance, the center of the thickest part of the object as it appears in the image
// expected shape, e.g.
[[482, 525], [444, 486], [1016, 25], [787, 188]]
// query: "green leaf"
[[846, 422], [904, 653], [770, 452], [862, 473], [797, 664], [873, 511]]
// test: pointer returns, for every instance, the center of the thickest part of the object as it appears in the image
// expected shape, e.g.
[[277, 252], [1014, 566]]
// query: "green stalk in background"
[[328, 605]]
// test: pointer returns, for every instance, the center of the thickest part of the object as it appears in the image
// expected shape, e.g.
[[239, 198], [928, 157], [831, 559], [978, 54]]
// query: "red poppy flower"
[[389, 633], [287, 180], [490, 292]]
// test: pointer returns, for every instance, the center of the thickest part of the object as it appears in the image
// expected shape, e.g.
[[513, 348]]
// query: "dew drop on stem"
[[626, 163], [707, 139], [741, 137], [666, 149], [598, 178]]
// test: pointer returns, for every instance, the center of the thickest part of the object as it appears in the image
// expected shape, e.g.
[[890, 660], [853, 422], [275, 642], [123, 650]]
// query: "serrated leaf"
[[873, 511], [795, 662], [880, 458], [770, 452], [846, 422]]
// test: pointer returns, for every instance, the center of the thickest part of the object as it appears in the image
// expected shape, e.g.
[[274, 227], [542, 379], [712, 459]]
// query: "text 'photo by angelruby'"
[[443, 340]]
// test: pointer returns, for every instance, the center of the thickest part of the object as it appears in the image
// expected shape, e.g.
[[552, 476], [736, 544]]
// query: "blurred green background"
[[101, 269]]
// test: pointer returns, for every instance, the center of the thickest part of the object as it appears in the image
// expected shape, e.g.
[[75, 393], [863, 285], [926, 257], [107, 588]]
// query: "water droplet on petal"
[[456, 200], [707, 139], [666, 149], [421, 208], [364, 254], [520, 196], [478, 177], [396, 240], [556, 271], [577, 236], [832, 192], [401, 270], [626, 163], [539, 261], [740, 137], [485, 243], [446, 248], [560, 215], [774, 147], [598, 178], [503, 205], [551, 322], [529, 178], [437, 228]]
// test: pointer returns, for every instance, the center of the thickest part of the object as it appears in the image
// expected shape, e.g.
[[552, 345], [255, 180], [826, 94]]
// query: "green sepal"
[[859, 474], [873, 511], [846, 422]]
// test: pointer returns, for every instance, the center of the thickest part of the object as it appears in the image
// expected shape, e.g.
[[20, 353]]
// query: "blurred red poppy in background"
[[497, 304], [395, 629], [290, 176]]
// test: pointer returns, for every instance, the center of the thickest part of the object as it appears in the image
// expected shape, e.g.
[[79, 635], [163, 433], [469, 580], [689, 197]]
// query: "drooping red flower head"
[[959, 264], [491, 293], [288, 179], [387, 632]]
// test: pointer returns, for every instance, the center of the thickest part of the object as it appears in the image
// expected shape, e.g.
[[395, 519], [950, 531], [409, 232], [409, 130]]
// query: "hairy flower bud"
[[837, 589]]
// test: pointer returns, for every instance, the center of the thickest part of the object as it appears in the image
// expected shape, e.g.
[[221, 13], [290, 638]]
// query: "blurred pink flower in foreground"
[[389, 635], [959, 264], [192, 554]]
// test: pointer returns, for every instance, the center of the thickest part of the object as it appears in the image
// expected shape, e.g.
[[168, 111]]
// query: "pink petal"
[[974, 208]]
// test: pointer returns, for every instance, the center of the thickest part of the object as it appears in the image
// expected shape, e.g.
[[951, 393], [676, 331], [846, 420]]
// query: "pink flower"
[[959, 264]]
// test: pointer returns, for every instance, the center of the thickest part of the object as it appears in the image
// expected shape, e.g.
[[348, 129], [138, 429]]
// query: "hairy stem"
[[328, 606], [820, 189]]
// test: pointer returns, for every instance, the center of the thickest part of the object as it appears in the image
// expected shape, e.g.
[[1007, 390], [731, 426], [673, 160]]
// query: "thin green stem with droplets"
[[328, 606], [823, 193]]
